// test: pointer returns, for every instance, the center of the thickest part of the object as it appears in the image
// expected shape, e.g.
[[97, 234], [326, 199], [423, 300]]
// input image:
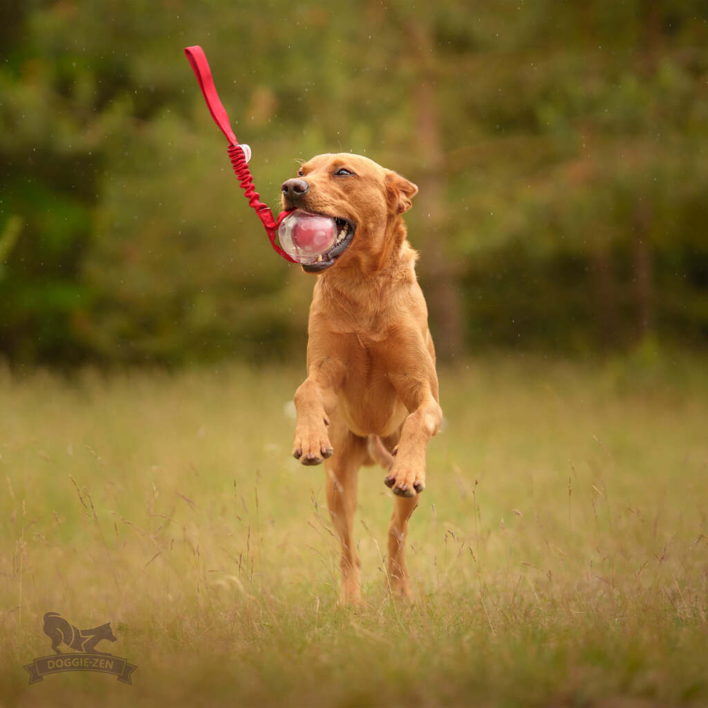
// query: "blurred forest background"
[[561, 150]]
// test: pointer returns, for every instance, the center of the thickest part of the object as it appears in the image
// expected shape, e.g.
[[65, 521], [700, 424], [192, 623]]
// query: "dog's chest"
[[368, 400]]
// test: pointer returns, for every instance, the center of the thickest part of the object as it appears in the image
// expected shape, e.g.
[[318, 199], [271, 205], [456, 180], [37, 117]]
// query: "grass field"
[[559, 554]]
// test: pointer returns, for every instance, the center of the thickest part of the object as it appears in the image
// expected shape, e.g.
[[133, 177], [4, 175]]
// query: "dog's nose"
[[294, 188]]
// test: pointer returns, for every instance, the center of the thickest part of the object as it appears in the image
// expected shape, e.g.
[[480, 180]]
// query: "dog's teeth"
[[319, 259]]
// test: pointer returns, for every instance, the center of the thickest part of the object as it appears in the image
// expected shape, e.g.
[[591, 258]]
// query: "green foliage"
[[573, 142], [9, 237]]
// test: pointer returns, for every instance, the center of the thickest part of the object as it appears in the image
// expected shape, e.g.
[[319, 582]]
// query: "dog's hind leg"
[[56, 642], [342, 472], [383, 451], [403, 508]]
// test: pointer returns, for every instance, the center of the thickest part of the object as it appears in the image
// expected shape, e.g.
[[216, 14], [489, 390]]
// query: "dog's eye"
[[300, 173], [342, 172]]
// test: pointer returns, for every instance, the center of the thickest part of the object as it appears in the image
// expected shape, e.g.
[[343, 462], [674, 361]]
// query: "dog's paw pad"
[[418, 486], [390, 481], [403, 490], [311, 459], [312, 446]]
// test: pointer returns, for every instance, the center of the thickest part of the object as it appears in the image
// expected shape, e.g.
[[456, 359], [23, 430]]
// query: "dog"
[[81, 640], [371, 393]]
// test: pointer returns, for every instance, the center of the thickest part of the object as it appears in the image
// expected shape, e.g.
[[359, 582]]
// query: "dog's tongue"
[[305, 236]]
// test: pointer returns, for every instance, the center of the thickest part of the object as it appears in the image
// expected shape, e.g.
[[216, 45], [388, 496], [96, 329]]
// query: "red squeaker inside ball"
[[305, 236]]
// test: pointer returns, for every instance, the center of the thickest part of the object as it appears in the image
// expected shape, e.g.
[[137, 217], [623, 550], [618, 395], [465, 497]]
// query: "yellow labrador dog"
[[371, 393]]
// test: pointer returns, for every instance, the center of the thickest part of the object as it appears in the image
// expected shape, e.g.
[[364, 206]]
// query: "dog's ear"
[[400, 192]]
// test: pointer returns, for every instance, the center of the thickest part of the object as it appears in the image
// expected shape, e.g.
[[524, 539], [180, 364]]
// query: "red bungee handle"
[[237, 152]]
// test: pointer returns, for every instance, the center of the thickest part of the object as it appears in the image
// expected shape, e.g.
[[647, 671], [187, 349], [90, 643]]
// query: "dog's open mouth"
[[315, 240], [345, 234]]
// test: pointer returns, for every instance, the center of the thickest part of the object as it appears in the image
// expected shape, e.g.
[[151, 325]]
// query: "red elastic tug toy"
[[239, 155]]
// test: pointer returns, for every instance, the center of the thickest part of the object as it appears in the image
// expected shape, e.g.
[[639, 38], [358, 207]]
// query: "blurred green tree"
[[560, 151]]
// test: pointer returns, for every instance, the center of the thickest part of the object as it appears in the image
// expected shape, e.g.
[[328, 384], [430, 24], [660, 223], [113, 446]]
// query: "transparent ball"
[[305, 237]]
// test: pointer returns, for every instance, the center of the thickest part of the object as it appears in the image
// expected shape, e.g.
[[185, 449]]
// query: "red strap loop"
[[201, 69], [200, 66]]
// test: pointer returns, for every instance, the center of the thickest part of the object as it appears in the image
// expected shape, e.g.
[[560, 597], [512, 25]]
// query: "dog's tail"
[[54, 622], [378, 452]]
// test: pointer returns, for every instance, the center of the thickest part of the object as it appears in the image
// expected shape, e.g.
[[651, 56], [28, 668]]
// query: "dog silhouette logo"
[[82, 640], [84, 657]]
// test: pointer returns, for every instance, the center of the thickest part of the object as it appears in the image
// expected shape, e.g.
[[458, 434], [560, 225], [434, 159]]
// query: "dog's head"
[[365, 199], [105, 632]]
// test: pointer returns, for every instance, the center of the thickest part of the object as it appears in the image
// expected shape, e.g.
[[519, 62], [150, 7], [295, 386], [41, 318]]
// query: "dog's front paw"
[[311, 447], [403, 479]]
